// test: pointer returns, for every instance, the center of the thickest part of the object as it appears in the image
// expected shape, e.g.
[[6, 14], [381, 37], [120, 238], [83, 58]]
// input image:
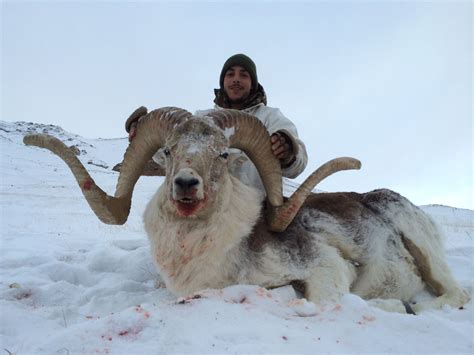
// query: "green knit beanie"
[[243, 61]]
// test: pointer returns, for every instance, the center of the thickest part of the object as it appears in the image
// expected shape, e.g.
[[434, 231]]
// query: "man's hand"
[[282, 148]]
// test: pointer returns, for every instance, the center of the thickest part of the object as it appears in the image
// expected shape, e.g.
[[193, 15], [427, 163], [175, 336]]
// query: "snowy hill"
[[70, 284]]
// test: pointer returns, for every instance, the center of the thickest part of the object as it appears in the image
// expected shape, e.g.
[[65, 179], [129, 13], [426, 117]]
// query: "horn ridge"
[[252, 137], [152, 131], [279, 218], [151, 134], [108, 209]]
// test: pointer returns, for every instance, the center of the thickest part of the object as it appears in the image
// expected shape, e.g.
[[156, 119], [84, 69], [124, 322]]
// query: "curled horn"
[[252, 137], [280, 217], [151, 134]]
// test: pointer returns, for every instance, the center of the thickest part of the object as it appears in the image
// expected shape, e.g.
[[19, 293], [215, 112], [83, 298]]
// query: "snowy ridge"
[[14, 131], [451, 215], [455, 222], [72, 285]]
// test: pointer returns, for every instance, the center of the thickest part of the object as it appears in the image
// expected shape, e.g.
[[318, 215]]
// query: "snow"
[[70, 284], [229, 132]]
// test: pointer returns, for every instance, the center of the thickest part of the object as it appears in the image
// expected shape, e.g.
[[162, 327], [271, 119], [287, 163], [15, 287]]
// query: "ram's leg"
[[435, 272], [454, 298], [391, 305], [330, 278]]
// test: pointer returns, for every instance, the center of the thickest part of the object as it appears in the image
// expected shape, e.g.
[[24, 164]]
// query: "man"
[[240, 90]]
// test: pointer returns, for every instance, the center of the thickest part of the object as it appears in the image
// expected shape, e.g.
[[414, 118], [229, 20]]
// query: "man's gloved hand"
[[282, 148], [132, 121]]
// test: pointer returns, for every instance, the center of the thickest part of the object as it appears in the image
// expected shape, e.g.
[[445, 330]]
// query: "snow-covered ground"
[[70, 284]]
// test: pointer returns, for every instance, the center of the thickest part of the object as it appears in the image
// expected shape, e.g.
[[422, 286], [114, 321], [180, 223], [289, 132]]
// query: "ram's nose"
[[187, 184]]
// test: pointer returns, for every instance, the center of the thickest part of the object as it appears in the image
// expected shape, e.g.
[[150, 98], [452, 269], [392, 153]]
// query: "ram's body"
[[377, 245], [209, 230]]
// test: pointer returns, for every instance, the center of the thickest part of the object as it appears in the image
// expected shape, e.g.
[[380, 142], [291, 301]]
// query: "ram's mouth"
[[187, 207], [187, 200]]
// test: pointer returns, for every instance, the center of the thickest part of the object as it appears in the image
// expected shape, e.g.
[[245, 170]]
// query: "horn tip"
[[358, 164], [353, 163], [30, 139]]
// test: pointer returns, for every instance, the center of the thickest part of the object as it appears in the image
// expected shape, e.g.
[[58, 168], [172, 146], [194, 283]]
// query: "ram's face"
[[196, 156]]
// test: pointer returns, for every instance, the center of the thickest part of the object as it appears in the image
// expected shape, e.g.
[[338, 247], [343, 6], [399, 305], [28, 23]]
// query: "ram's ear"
[[236, 160], [159, 158]]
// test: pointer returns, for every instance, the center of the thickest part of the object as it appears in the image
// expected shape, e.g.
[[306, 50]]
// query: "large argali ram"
[[209, 230]]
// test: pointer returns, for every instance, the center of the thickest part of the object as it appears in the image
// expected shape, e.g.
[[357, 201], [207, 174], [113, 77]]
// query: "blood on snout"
[[187, 209]]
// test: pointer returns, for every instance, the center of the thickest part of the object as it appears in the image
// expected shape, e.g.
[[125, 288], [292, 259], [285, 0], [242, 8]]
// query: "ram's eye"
[[166, 152], [224, 155]]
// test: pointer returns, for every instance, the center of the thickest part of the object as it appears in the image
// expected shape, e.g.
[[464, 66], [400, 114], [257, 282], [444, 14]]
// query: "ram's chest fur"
[[186, 256], [191, 259], [198, 254]]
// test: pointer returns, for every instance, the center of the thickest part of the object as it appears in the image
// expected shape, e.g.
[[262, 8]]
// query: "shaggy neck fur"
[[194, 253]]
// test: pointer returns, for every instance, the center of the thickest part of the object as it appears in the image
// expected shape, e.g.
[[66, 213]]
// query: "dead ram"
[[209, 230]]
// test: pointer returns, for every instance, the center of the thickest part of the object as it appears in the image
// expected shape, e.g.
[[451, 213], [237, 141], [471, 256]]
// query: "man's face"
[[237, 84]]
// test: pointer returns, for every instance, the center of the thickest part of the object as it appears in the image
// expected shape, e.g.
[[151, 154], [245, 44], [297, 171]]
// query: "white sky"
[[389, 83]]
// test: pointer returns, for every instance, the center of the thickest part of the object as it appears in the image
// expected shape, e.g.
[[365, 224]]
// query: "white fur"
[[364, 254], [197, 254]]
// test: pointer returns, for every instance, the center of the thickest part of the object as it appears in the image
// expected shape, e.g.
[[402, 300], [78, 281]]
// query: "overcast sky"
[[389, 83]]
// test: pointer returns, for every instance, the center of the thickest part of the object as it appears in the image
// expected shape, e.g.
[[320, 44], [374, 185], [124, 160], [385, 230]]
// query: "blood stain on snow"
[[140, 310], [23, 295], [366, 319], [131, 332], [263, 292]]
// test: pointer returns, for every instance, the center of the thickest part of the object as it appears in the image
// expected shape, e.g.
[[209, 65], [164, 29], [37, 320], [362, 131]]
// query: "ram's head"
[[197, 159], [196, 149]]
